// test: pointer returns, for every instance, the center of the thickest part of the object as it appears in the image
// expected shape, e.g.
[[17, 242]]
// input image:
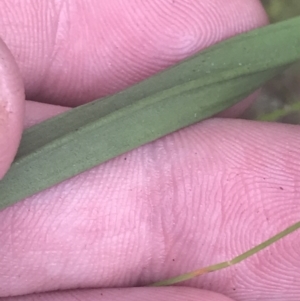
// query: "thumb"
[[12, 101]]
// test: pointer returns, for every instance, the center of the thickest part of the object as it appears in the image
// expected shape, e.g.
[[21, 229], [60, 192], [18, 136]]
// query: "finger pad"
[[95, 48]]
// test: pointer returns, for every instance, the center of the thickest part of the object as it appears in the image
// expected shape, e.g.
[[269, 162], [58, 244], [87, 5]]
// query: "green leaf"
[[189, 92]]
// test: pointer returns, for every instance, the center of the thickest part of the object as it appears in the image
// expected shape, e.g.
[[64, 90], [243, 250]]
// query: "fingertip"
[[12, 99]]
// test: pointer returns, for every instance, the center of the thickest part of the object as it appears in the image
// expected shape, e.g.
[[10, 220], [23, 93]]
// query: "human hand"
[[197, 197]]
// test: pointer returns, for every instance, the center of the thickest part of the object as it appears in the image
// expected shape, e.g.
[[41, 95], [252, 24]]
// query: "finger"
[[127, 294], [238, 109], [37, 112], [71, 52], [197, 197], [12, 101]]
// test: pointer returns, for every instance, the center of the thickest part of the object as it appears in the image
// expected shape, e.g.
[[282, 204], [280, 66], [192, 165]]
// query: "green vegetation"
[[279, 10], [280, 98]]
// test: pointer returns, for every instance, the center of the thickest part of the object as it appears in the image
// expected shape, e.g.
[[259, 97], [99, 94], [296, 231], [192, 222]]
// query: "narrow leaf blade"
[[189, 92]]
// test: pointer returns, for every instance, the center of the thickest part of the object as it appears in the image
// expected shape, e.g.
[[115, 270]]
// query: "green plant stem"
[[231, 262]]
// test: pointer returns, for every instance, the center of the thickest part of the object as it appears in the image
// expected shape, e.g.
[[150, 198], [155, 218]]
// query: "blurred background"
[[280, 98]]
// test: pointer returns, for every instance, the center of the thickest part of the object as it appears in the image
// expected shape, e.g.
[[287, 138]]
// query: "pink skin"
[[196, 197], [12, 103]]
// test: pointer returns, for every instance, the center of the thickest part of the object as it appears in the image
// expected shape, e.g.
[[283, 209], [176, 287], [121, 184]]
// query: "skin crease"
[[196, 197]]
